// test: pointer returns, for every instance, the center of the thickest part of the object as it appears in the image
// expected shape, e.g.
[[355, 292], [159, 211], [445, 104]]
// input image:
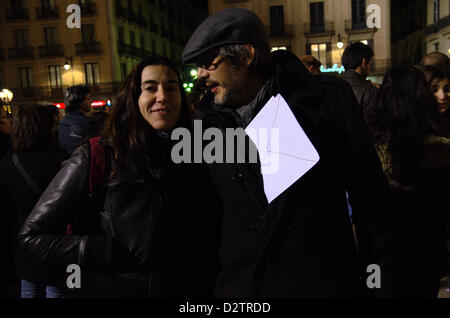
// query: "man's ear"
[[251, 52], [364, 63]]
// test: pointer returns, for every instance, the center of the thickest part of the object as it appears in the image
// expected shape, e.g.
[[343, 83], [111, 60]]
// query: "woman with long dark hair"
[[417, 164], [26, 172], [142, 222], [438, 80]]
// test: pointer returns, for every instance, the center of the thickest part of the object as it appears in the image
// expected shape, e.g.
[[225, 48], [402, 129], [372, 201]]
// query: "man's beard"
[[236, 93]]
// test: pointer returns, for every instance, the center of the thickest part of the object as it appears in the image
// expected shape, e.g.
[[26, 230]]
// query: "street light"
[[340, 44], [68, 65], [6, 96]]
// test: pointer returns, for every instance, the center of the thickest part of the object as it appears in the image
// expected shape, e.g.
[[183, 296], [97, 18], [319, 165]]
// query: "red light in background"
[[98, 103], [60, 105]]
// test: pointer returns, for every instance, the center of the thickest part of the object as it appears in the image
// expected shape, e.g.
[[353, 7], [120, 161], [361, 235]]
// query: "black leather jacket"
[[141, 225]]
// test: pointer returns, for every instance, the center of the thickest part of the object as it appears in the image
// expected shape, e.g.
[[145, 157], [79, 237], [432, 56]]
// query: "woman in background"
[[26, 172], [417, 164]]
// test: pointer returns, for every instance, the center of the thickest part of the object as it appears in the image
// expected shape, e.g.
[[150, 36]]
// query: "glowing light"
[[365, 42], [194, 73], [185, 85], [6, 95], [335, 68]]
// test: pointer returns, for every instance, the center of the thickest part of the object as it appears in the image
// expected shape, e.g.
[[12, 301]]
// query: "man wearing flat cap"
[[301, 244]]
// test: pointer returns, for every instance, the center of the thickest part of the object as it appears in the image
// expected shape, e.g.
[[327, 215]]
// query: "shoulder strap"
[[98, 164], [25, 175]]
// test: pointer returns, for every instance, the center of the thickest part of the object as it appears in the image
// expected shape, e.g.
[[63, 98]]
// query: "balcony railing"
[[88, 9], [434, 28], [92, 48], [21, 53], [286, 30], [29, 92], [125, 49], [47, 12], [380, 67], [357, 27], [319, 30], [51, 50], [138, 19], [17, 14]]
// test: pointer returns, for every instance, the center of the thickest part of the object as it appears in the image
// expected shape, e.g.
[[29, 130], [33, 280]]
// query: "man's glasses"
[[206, 61]]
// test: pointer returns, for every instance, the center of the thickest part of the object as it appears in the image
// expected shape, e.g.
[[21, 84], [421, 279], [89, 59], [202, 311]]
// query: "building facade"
[[315, 27], [114, 36], [408, 31], [438, 26]]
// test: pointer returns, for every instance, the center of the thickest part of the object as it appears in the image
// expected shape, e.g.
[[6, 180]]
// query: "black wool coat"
[[302, 245]]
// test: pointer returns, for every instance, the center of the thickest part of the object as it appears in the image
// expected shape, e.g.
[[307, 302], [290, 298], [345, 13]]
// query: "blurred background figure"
[[311, 63], [5, 129], [26, 172], [357, 60], [74, 127], [417, 165], [437, 78], [436, 59], [97, 123]]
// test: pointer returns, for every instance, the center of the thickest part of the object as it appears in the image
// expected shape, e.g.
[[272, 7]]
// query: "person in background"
[[26, 172], [357, 60], [438, 80], [417, 165], [311, 63], [436, 59], [74, 126]]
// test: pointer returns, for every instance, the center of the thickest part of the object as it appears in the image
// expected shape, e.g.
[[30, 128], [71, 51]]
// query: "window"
[[277, 20], [154, 47], [17, 4], [51, 36], [123, 70], [21, 38], [436, 11], [164, 50], [48, 4], [319, 51], [276, 48], [87, 33], [26, 78], [132, 39], [358, 14], [436, 47], [121, 36], [84, 2], [316, 13], [92, 74], [142, 44], [2, 80], [54, 74]]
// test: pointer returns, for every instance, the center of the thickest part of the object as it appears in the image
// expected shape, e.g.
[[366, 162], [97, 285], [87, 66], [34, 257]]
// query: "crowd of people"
[[102, 191]]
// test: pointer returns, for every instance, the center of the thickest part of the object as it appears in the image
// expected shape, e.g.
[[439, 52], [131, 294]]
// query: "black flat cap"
[[230, 26]]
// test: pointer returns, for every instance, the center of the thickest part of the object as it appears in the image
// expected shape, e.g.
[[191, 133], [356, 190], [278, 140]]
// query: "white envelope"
[[286, 153]]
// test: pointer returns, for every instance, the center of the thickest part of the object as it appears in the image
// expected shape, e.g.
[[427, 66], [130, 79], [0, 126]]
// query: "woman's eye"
[[150, 88]]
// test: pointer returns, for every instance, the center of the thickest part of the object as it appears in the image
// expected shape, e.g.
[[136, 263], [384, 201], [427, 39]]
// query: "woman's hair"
[[128, 133], [433, 73], [401, 116], [33, 129]]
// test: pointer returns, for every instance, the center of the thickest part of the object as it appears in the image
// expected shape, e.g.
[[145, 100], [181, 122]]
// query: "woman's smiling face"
[[160, 99]]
